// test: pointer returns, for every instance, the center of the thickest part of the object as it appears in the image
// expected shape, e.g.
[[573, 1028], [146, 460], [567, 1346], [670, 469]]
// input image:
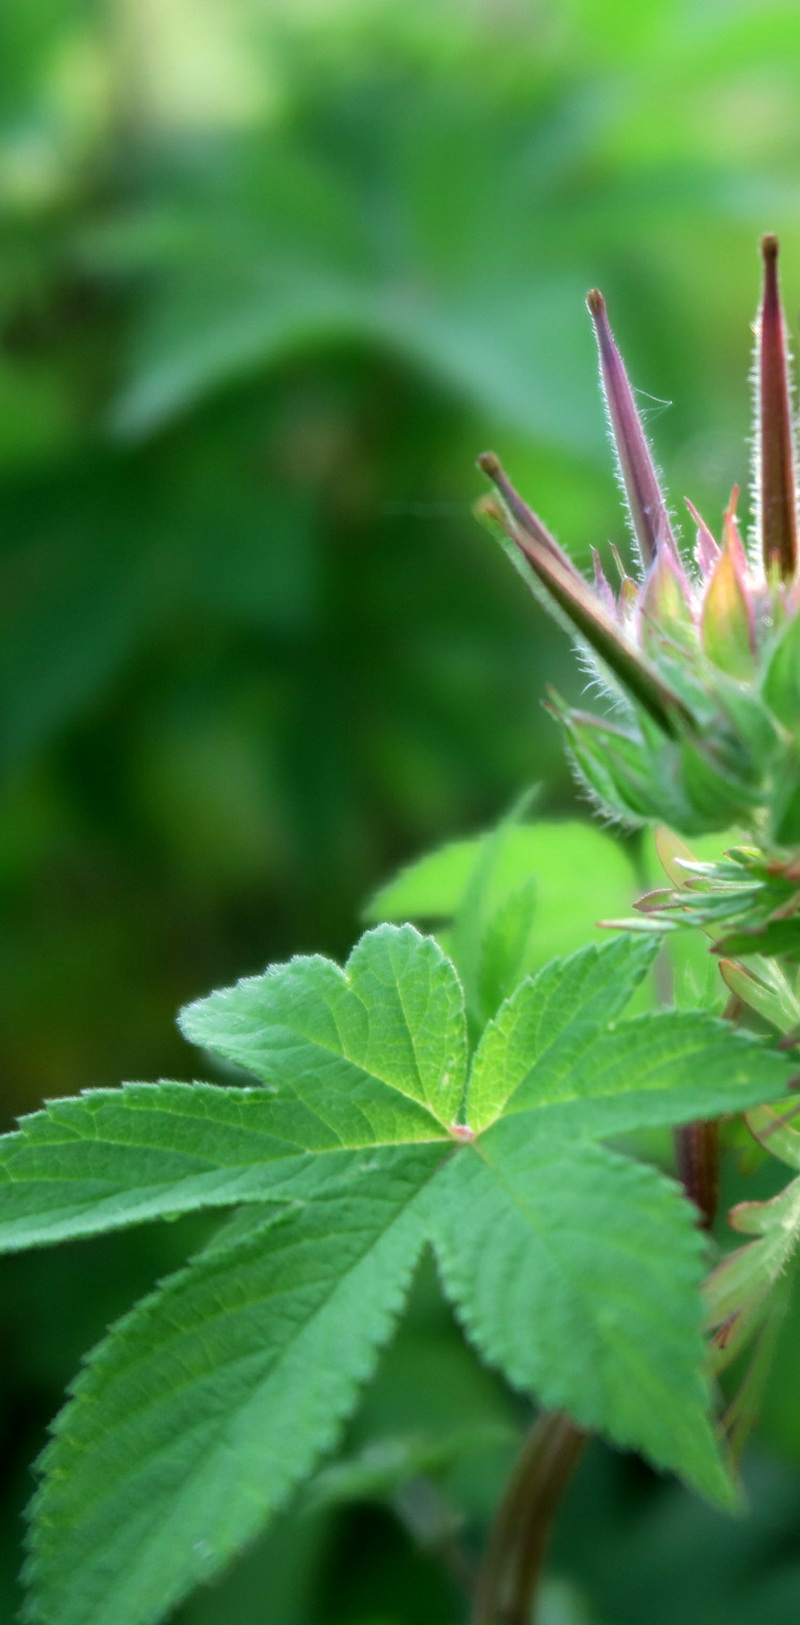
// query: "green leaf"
[[352, 1060], [781, 686], [203, 1408], [582, 875], [386, 1465], [555, 1051], [115, 1157], [517, 896], [508, 947], [431, 887], [577, 1273], [553, 1019], [372, 1043], [474, 916]]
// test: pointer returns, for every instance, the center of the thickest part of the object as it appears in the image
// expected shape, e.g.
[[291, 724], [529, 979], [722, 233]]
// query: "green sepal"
[[615, 765], [781, 685], [726, 623], [749, 739], [591, 761], [665, 615], [626, 763], [738, 1292], [717, 798], [785, 800], [765, 988], [776, 938]]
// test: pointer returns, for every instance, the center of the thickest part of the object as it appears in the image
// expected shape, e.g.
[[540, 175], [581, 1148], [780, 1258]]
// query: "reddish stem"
[[697, 1167], [697, 1150], [512, 1568], [647, 506], [777, 493]]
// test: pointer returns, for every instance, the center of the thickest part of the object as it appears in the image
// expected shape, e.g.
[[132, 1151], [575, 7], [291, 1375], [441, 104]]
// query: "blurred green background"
[[272, 272]]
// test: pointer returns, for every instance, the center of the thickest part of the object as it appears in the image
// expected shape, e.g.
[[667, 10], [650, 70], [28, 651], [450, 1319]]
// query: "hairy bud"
[[701, 655]]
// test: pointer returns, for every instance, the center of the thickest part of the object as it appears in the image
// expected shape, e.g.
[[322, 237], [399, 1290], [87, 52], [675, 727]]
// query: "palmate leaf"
[[115, 1157], [360, 1044], [552, 1021], [560, 1261], [350, 1060], [558, 1253], [203, 1408], [557, 1053], [574, 1269]]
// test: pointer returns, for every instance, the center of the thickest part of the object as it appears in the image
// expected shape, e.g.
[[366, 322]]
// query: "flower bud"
[[701, 656]]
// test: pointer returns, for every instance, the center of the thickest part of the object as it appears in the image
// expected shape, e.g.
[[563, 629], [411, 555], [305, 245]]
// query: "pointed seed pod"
[[704, 724], [529, 522], [648, 509], [777, 492], [587, 613]]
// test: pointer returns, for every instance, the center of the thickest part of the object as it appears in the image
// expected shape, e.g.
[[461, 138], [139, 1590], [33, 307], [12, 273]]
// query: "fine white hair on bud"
[[699, 662], [648, 510]]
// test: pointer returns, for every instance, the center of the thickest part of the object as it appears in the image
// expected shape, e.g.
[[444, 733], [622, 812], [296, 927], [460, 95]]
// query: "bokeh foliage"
[[270, 275]]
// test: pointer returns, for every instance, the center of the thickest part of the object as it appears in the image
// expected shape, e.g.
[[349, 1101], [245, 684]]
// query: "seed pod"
[[701, 656]]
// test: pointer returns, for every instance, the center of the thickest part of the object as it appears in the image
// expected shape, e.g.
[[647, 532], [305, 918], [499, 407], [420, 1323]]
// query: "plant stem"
[[509, 1579], [697, 1150], [697, 1167]]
